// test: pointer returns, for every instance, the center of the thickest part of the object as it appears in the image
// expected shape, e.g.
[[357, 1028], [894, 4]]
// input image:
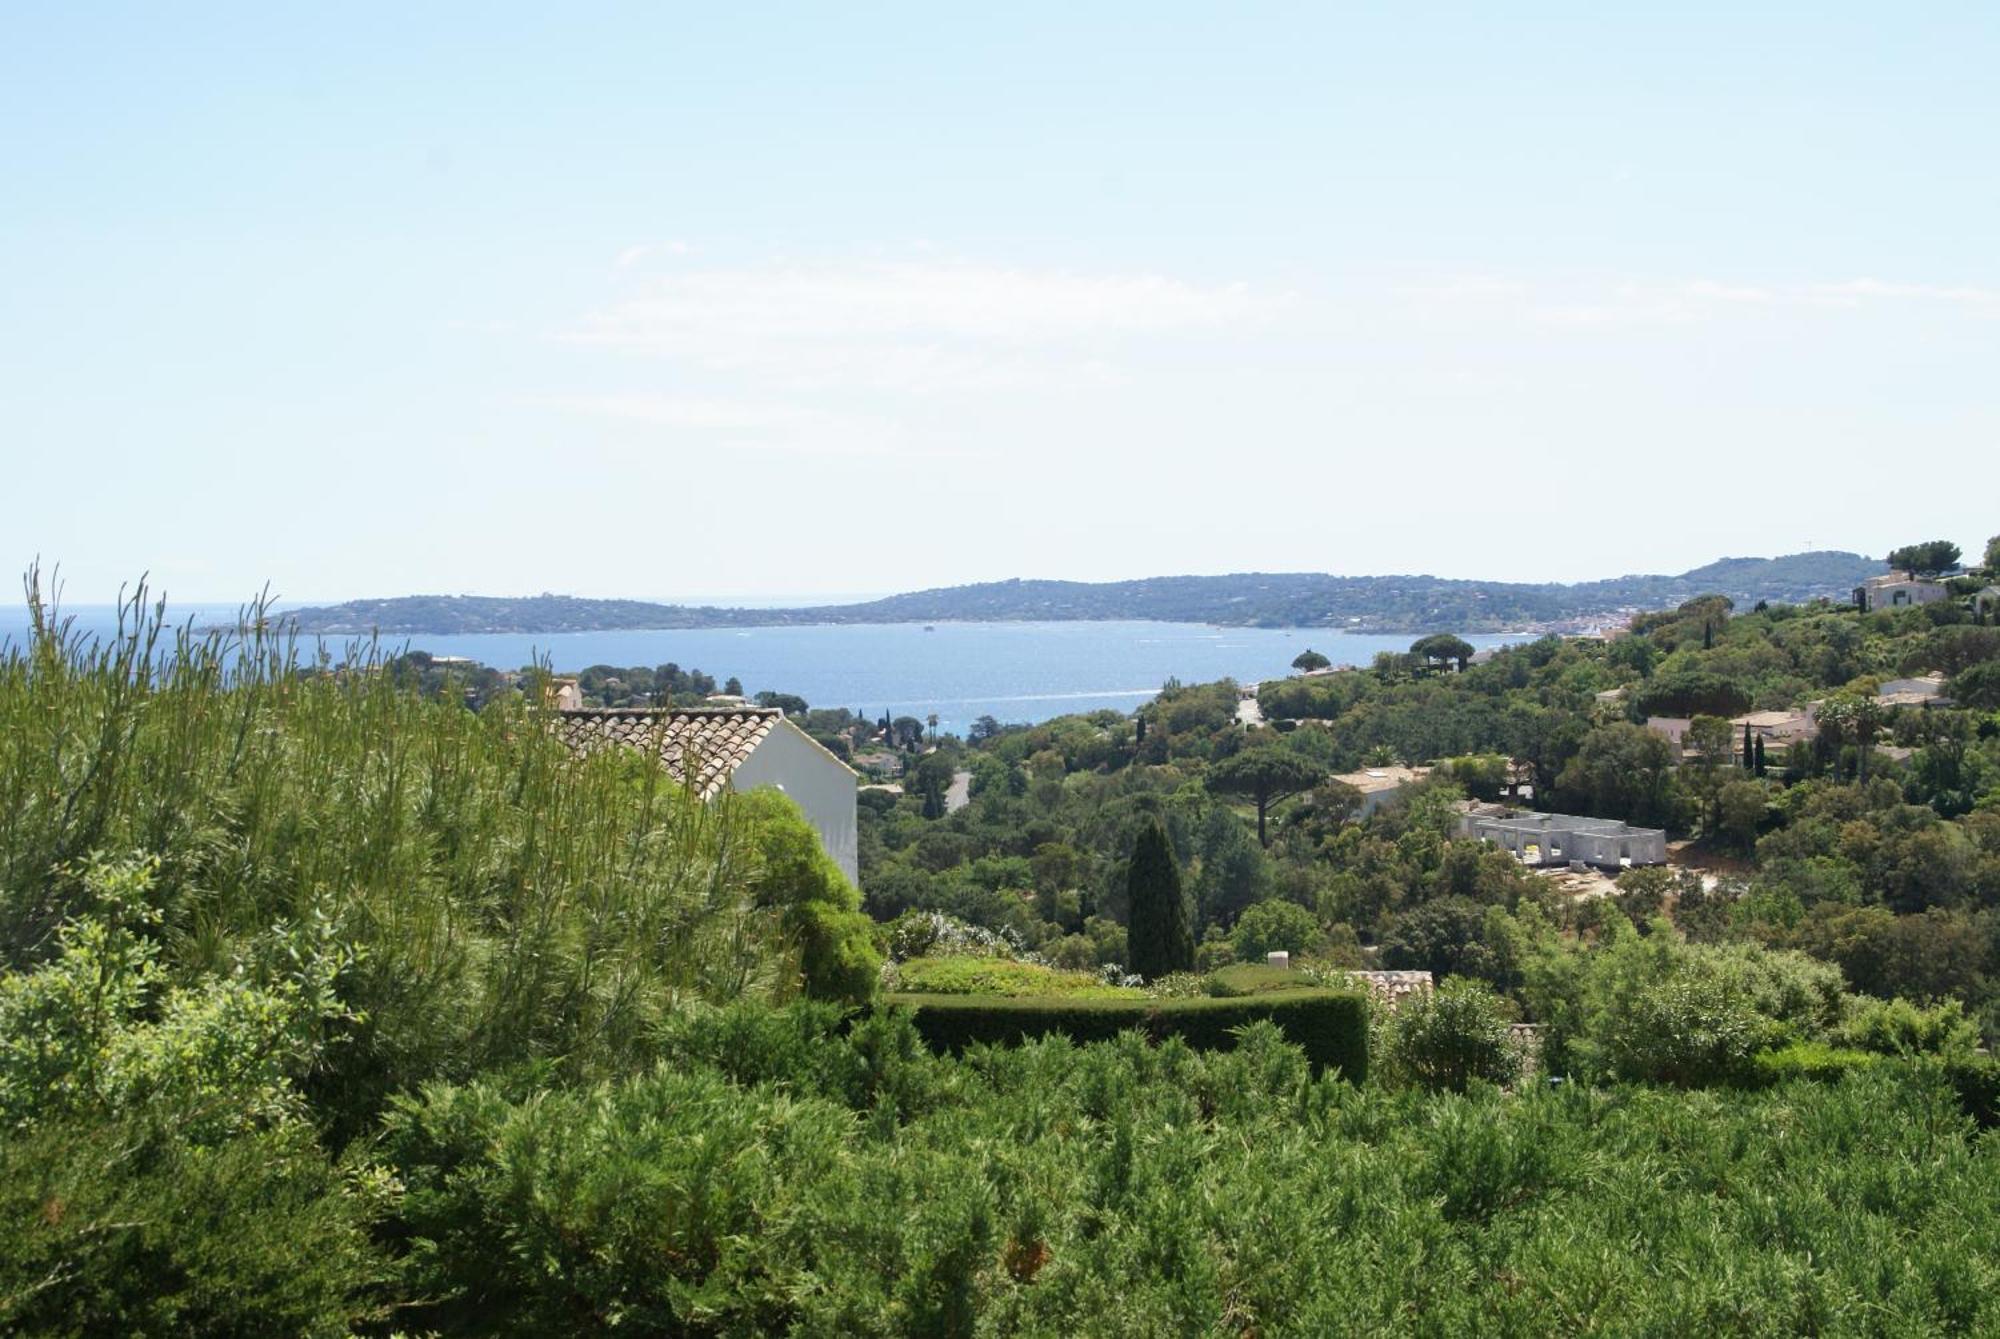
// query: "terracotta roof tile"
[[699, 747], [1391, 988]]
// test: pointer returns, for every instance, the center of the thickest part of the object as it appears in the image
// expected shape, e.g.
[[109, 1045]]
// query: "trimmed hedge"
[[1330, 1026], [1813, 1060], [1256, 978]]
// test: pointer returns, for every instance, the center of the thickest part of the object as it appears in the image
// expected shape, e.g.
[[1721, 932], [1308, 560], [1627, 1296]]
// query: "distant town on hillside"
[[1250, 599]]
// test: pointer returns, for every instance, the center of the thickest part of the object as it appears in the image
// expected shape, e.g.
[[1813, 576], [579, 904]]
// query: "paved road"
[[1249, 713], [960, 793]]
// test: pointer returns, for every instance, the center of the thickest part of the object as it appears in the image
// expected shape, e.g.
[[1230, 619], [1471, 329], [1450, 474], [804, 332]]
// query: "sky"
[[662, 300]]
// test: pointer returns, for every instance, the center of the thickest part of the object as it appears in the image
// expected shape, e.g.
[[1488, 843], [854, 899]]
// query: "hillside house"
[[1673, 729], [735, 748], [1563, 839], [1896, 590], [1778, 729], [1923, 691], [1380, 786]]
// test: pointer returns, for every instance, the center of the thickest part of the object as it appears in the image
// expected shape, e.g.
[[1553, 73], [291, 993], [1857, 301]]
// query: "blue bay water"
[[960, 671]]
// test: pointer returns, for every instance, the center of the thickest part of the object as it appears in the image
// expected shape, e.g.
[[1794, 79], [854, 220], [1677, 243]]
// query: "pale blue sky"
[[651, 300]]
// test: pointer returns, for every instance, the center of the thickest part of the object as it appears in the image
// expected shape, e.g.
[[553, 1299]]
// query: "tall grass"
[[498, 900]]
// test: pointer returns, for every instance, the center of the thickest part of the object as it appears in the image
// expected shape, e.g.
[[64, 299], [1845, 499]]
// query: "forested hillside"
[[1394, 603], [1874, 847]]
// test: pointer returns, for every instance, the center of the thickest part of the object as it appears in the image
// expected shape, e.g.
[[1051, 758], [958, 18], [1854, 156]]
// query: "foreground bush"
[[497, 900], [1134, 1189], [122, 1227]]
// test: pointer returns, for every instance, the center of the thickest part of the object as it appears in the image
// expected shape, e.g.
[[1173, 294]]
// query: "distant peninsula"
[[1247, 599]]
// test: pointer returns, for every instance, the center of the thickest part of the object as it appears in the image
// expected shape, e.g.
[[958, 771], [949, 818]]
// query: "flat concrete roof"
[[1529, 821], [1371, 779]]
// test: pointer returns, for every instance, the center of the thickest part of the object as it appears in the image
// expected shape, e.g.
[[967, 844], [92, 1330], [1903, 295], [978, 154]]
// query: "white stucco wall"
[[819, 783]]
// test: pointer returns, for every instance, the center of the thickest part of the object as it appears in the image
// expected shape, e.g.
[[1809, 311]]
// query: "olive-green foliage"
[[119, 1225], [819, 910], [1331, 1026], [1659, 1009], [964, 975], [157, 1170], [1447, 1038], [1898, 1027], [1133, 1189], [498, 900], [1808, 1060], [1274, 925]]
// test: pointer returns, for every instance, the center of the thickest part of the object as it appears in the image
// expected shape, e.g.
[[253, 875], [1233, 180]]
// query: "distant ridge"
[[1259, 599]]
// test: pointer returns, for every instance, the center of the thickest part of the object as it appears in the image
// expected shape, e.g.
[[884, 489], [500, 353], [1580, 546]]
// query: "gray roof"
[[1535, 821]]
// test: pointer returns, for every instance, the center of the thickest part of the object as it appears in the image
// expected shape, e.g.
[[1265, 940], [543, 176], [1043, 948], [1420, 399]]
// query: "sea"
[[1014, 672]]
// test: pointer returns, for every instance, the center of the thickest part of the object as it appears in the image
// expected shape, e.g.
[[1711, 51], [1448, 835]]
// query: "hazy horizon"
[[501, 299], [808, 599]]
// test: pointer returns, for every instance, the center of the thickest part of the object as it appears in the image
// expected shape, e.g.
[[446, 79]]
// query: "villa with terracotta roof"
[[736, 748]]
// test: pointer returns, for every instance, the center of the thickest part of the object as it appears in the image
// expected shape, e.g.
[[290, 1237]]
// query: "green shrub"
[[1271, 926], [667, 1204], [1808, 1060], [119, 1226], [819, 910], [504, 901], [1975, 1079], [1658, 1009], [1689, 1030], [1127, 1189], [1898, 1027], [1446, 1038], [1331, 1027]]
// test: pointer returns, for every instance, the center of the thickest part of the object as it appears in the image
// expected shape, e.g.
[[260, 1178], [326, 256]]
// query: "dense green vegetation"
[[1283, 599], [1874, 847], [329, 1006]]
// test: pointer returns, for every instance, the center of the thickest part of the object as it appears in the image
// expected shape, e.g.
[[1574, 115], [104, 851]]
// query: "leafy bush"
[[1898, 1027], [117, 1225], [1689, 1030], [819, 910], [1658, 1009], [157, 1171], [1272, 926], [1250, 978], [1446, 1038], [1331, 1027]]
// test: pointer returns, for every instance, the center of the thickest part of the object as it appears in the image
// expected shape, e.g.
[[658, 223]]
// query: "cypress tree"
[[1158, 940], [1748, 762], [1760, 755]]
